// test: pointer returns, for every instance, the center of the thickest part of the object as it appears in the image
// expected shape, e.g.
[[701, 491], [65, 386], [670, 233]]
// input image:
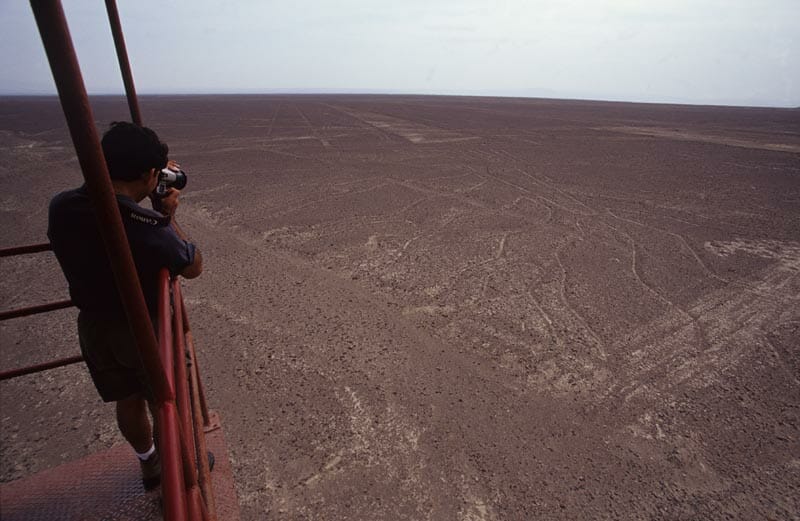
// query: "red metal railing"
[[33, 310], [172, 481], [185, 467], [19, 250], [38, 368], [181, 421]]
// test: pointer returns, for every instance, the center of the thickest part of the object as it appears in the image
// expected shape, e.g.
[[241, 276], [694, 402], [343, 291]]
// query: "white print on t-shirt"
[[144, 219]]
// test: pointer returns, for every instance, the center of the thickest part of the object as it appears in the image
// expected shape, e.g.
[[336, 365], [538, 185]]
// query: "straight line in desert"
[[411, 131], [734, 319], [682, 135]]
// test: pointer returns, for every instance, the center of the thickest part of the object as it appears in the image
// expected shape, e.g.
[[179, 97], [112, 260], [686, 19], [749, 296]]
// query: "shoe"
[[151, 471]]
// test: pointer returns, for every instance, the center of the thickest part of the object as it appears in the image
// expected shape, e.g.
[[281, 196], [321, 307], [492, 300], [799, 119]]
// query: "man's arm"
[[169, 205], [195, 268]]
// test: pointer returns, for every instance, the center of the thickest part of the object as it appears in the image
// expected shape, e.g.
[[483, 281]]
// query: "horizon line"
[[388, 92]]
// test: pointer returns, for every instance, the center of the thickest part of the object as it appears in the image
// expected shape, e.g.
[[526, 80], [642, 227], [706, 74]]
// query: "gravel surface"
[[455, 308]]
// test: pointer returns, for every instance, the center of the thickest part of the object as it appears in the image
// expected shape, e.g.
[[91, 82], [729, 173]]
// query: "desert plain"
[[452, 307]]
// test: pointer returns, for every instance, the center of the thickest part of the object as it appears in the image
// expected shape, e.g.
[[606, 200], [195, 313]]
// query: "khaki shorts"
[[110, 353]]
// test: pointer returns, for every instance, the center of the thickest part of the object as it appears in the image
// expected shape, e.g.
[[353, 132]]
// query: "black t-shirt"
[[75, 237]]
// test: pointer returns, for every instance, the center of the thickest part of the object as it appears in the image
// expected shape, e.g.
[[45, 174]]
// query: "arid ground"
[[455, 308]]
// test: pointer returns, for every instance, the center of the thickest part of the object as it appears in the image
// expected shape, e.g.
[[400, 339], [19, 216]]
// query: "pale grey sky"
[[741, 52]]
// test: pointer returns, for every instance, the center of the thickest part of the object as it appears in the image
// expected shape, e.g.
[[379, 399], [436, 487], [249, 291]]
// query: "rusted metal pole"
[[200, 391], [203, 470], [20, 250], [169, 432], [171, 472], [124, 64], [184, 405], [35, 310], [13, 373], [80, 120]]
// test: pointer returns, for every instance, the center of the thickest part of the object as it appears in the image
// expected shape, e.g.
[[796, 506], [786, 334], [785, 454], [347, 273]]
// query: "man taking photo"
[[135, 157]]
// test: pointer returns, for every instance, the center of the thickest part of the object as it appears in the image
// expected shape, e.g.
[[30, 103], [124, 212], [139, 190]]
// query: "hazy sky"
[[743, 52]]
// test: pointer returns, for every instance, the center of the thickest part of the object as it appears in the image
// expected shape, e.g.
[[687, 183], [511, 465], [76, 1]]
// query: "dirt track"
[[457, 308]]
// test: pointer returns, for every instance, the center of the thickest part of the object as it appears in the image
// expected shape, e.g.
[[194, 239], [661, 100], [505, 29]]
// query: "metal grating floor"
[[107, 486]]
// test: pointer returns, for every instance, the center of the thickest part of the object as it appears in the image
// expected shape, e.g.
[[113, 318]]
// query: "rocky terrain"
[[454, 308]]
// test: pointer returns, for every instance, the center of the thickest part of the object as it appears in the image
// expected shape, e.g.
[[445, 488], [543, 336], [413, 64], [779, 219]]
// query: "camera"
[[170, 179]]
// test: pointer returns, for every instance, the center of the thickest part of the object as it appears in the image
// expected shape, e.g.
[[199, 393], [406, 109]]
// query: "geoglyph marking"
[[681, 135], [429, 310], [694, 346], [414, 132], [787, 253]]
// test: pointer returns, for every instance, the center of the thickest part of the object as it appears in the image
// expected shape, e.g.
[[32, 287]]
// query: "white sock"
[[145, 455]]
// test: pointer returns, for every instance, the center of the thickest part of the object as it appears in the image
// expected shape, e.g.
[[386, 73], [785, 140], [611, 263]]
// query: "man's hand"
[[169, 202], [168, 206]]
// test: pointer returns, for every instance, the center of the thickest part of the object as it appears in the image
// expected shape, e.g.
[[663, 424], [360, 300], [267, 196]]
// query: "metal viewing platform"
[[107, 484]]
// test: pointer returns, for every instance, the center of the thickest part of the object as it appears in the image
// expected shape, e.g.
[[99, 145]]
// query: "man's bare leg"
[[133, 419]]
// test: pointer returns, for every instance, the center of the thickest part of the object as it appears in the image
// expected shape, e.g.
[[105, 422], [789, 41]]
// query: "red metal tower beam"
[[80, 120], [124, 64], [74, 101]]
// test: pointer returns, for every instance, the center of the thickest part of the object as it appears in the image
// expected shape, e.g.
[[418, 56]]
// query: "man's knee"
[[134, 405]]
